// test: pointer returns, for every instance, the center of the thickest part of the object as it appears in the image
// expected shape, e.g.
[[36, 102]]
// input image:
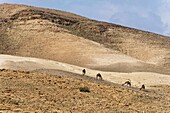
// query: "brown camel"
[[127, 83], [142, 87], [99, 76], [84, 71]]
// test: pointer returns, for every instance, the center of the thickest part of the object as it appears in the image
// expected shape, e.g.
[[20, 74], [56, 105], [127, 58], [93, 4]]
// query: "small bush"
[[1, 52], [84, 89]]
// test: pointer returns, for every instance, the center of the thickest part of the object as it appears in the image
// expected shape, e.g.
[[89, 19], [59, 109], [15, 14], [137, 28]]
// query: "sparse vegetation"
[[84, 89], [33, 92], [35, 32], [1, 52]]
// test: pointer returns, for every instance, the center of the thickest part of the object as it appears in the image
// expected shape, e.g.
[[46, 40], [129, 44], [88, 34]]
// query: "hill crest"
[[22, 26]]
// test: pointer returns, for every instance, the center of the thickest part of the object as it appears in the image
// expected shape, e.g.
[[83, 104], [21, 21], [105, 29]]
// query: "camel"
[[127, 83], [142, 87], [99, 76], [84, 71]]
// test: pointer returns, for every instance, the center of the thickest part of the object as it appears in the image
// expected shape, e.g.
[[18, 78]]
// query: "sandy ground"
[[43, 39], [58, 44], [30, 64]]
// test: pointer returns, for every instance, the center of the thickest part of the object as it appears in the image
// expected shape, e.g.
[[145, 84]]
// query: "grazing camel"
[[127, 83], [84, 71], [99, 76], [142, 87]]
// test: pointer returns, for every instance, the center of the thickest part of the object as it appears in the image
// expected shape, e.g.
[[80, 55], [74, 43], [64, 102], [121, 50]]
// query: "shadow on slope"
[[123, 67]]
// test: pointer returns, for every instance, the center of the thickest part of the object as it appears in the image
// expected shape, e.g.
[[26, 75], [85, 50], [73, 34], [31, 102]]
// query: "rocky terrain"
[[22, 91], [43, 52]]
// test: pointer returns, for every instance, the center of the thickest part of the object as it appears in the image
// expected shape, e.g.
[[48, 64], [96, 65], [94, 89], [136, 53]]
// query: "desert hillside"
[[69, 38], [22, 91], [51, 67], [43, 53]]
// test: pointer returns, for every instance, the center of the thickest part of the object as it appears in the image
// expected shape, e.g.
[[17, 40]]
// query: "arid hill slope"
[[62, 36], [34, 92], [50, 67]]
